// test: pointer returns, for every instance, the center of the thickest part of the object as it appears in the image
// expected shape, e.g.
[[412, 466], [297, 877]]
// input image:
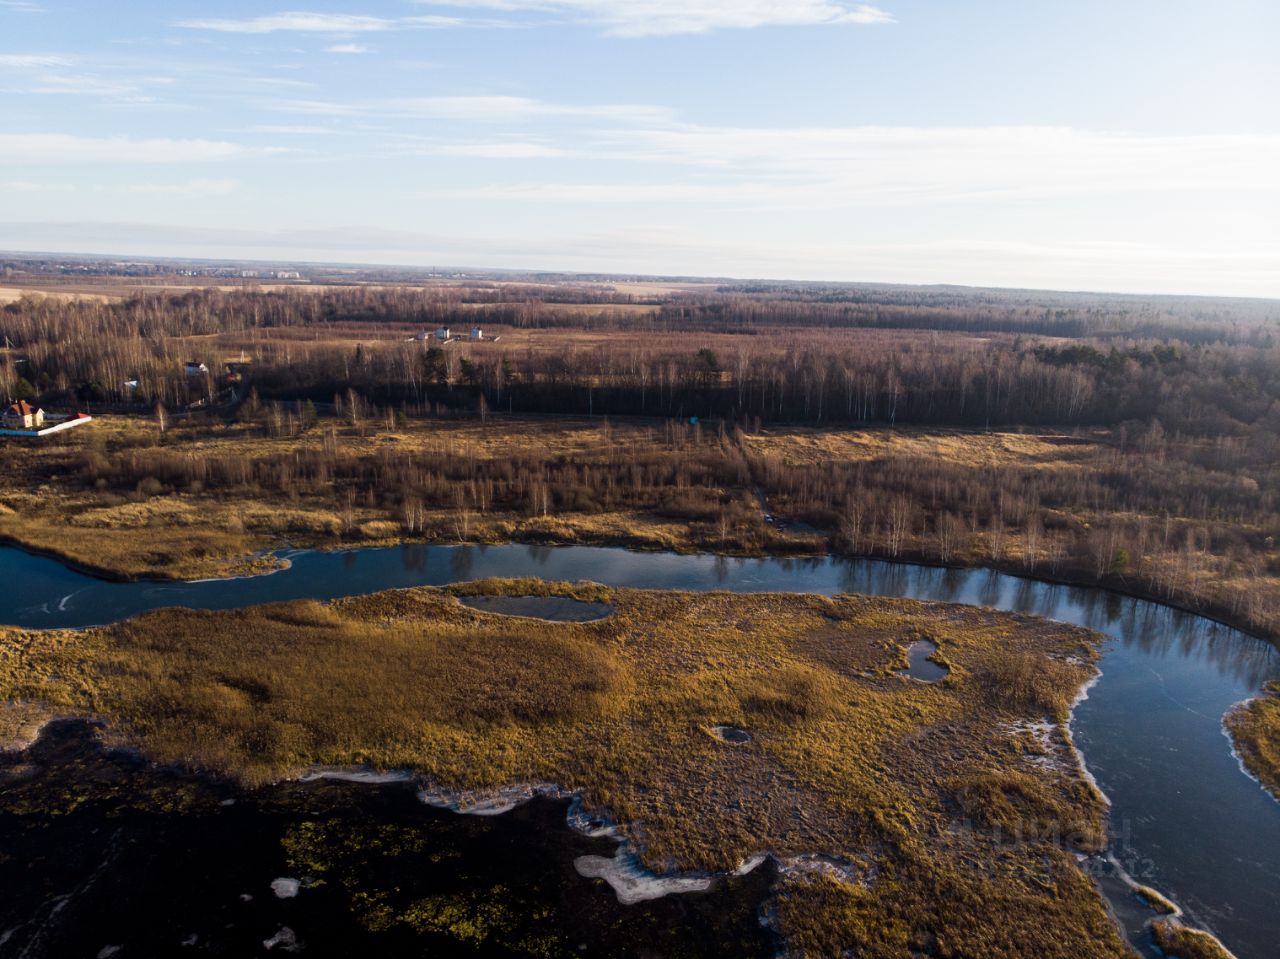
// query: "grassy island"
[[952, 810], [1255, 729]]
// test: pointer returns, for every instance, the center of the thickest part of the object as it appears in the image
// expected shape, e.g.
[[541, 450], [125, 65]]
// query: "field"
[[948, 818]]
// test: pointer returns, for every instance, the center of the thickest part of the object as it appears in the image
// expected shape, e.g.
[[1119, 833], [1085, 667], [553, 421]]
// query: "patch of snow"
[[285, 888], [490, 803], [369, 777], [750, 864], [632, 883], [1071, 743], [597, 828], [1235, 753], [106, 952], [830, 867]]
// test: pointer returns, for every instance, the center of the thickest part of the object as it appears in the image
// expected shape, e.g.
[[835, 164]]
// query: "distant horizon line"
[[606, 275]]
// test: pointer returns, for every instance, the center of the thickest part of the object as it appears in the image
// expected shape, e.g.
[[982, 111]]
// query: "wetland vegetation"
[[1119, 442], [1254, 727], [908, 784]]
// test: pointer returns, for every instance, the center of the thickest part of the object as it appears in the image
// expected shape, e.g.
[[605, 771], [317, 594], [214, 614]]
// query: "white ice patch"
[[830, 867], [751, 864], [493, 803], [285, 888], [580, 821], [633, 883], [368, 777], [1052, 754], [1081, 697], [1235, 753]]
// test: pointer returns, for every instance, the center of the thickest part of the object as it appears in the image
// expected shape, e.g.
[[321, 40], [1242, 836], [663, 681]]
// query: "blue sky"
[[1122, 145]]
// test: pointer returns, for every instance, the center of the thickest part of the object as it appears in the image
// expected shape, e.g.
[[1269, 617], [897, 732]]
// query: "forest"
[[724, 410]]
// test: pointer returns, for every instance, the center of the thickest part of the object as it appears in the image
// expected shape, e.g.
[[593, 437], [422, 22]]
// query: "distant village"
[[446, 335]]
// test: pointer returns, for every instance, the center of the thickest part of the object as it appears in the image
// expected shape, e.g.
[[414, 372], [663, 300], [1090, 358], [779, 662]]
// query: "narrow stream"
[[1185, 818]]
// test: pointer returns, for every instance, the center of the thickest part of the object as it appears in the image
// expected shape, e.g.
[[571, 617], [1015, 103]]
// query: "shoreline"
[[628, 855], [1237, 753], [110, 575]]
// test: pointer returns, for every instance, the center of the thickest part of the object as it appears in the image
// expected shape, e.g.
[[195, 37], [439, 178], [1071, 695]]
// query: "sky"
[[1117, 145]]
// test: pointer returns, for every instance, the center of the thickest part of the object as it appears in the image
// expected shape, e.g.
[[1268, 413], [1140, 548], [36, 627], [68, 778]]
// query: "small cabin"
[[22, 416], [476, 334], [196, 368], [444, 333]]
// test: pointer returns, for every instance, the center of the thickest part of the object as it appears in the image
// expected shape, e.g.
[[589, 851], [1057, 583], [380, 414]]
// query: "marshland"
[[1122, 445]]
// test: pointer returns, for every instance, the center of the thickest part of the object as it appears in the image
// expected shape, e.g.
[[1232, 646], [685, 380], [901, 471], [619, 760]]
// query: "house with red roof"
[[22, 416]]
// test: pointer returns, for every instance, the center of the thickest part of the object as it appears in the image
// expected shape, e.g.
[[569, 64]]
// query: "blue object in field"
[[693, 421]]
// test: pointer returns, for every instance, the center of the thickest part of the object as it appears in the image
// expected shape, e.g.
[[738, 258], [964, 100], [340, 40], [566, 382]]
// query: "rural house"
[[22, 416]]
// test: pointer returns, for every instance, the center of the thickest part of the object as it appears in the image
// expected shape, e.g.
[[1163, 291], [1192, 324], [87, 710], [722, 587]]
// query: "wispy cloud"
[[307, 22], [639, 18], [489, 109], [348, 48], [291, 129], [33, 148], [33, 186], [30, 60], [820, 168], [488, 151], [197, 187]]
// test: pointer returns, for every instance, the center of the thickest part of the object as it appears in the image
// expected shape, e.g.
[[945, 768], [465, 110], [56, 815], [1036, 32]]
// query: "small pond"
[[560, 609], [920, 666]]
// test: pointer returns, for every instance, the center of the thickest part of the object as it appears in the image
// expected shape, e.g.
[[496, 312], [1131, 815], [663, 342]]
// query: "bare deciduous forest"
[[730, 410]]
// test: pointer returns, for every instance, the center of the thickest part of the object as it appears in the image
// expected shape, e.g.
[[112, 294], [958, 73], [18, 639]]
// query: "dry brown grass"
[[963, 841], [1179, 942], [12, 294], [967, 448], [1255, 731]]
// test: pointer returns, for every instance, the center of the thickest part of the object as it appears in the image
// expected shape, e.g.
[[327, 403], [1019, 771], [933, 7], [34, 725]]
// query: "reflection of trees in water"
[[413, 557], [538, 555], [989, 589], [462, 559], [1151, 627]]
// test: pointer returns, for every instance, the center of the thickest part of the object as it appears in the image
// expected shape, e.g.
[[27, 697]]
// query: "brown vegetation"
[[1180, 942], [953, 842], [1255, 730]]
